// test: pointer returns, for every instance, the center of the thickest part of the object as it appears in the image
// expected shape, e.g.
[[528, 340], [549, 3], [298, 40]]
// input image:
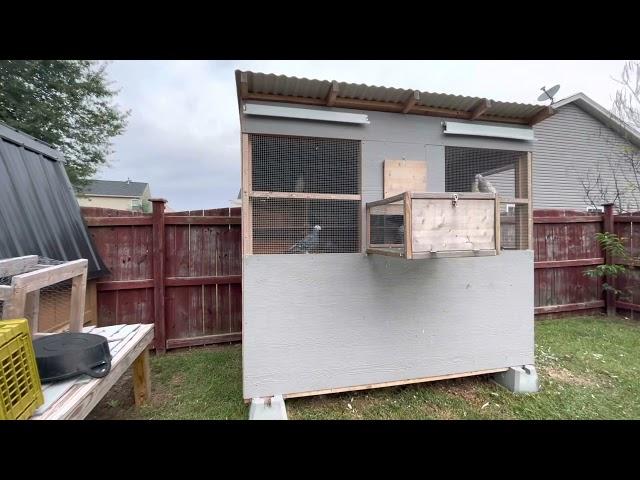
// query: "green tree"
[[66, 103]]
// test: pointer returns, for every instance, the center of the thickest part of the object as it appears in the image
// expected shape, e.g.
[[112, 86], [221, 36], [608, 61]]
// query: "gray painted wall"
[[571, 146], [314, 322]]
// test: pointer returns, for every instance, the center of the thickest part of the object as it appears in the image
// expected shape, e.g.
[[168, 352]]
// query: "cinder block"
[[271, 408], [518, 379]]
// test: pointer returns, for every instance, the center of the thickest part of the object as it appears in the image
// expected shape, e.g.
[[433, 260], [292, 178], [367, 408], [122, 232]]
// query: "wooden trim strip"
[[626, 218], [576, 219], [200, 220], [569, 263], [384, 201], [118, 221], [124, 285], [394, 383], [203, 340], [627, 306], [449, 195], [204, 280], [515, 201], [387, 252], [569, 307], [305, 196]]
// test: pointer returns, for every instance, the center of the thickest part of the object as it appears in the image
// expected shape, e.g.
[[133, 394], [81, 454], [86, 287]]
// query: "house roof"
[[40, 214], [603, 115], [114, 188], [281, 88]]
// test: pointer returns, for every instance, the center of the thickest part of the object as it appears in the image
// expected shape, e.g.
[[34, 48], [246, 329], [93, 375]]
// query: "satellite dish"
[[548, 94]]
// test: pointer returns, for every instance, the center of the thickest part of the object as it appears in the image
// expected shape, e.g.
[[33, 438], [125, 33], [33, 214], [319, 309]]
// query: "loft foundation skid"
[[383, 242]]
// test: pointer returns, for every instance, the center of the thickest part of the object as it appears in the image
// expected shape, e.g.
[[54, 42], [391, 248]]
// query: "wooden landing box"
[[434, 225]]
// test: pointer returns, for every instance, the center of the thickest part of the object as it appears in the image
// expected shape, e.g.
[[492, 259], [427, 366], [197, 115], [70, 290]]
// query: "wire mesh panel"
[[305, 164], [504, 172], [299, 226], [386, 226]]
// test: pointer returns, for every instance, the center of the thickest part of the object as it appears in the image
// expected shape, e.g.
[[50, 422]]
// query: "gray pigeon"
[[484, 185], [308, 243], [474, 185]]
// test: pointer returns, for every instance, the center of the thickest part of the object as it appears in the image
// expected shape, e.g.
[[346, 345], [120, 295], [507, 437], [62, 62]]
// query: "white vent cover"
[[474, 129], [304, 113]]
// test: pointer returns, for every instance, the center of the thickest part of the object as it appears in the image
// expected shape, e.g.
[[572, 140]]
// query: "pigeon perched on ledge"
[[484, 185], [308, 243]]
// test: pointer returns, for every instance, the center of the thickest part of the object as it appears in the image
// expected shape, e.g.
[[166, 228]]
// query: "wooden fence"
[[565, 246], [183, 270], [179, 270]]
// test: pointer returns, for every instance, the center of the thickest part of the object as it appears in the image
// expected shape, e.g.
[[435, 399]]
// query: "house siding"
[[571, 147]]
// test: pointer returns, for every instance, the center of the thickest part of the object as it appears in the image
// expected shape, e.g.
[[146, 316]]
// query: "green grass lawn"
[[589, 368]]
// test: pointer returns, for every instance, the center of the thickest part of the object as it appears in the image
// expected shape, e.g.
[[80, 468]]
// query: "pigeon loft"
[[414, 225]]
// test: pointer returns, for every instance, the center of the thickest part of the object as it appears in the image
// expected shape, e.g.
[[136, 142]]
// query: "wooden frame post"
[[608, 226], [141, 378], [78, 295], [247, 215], [158, 273], [524, 223]]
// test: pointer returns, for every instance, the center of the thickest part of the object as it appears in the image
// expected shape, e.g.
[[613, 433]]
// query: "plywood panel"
[[404, 176], [439, 226], [315, 322]]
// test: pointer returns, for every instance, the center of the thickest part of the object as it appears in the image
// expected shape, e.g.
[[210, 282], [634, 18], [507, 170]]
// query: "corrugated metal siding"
[[318, 89], [571, 146], [39, 214]]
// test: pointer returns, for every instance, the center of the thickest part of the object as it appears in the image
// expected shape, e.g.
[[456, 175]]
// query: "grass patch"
[[589, 368]]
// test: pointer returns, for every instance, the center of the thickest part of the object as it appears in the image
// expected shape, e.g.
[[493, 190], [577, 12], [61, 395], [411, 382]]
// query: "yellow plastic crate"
[[20, 390]]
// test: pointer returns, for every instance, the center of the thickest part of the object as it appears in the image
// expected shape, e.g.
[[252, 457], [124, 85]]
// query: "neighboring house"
[[119, 195], [581, 141]]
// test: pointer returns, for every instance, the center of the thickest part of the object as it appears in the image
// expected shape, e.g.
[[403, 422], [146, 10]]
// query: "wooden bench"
[[74, 399]]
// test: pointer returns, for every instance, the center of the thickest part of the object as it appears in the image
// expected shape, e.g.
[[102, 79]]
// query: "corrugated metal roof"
[[39, 214], [114, 188], [317, 91]]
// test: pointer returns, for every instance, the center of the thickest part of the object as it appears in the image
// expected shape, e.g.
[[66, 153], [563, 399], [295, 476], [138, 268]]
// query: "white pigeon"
[[484, 185], [308, 243], [474, 185]]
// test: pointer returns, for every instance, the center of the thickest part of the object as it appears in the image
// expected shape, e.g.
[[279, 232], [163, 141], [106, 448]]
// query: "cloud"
[[184, 138]]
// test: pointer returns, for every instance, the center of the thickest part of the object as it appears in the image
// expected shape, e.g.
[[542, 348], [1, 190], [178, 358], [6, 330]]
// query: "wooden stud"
[[332, 94], [482, 106], [78, 296], [543, 113], [408, 235], [17, 265], [305, 196], [49, 275], [158, 274], [498, 232], [32, 310], [411, 101], [244, 85], [392, 384], [247, 215], [141, 378]]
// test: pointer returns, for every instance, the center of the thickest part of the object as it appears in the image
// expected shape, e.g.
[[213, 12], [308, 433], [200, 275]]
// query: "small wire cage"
[[54, 301], [504, 172]]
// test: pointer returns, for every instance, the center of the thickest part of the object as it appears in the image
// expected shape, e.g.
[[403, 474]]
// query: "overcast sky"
[[183, 136]]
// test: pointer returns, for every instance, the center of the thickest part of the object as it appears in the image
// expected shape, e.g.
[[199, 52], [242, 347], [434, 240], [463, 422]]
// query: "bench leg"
[[141, 378]]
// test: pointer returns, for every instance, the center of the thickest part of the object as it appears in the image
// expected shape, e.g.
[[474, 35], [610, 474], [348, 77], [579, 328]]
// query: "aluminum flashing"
[[472, 129], [303, 113], [39, 214]]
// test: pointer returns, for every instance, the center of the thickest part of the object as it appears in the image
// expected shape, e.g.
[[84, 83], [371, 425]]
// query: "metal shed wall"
[[39, 214], [326, 321]]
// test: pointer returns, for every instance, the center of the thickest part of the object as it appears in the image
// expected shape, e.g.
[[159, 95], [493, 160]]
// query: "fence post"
[[608, 226], [158, 273]]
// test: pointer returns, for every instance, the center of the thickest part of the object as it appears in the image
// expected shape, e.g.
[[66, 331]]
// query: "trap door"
[[439, 226]]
